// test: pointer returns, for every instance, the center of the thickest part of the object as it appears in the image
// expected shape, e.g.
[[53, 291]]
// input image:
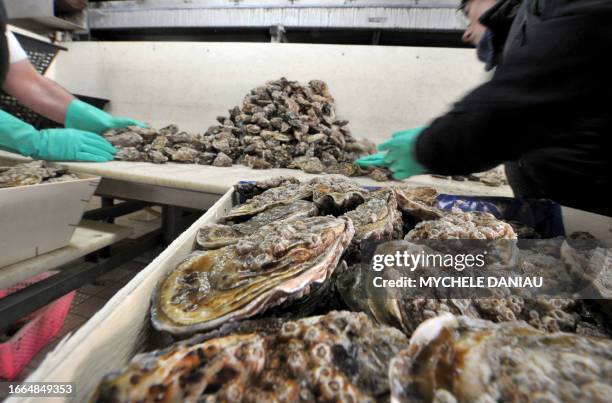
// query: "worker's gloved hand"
[[82, 116], [52, 144], [400, 158], [374, 160]]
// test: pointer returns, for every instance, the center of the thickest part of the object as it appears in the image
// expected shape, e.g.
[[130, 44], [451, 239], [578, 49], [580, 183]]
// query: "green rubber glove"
[[52, 144], [374, 160], [82, 116], [400, 154]]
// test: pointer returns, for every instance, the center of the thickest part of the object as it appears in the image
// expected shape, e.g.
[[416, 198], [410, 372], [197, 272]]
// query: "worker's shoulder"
[[549, 9]]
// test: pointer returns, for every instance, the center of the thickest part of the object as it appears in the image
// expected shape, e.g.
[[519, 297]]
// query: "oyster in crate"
[[276, 196], [32, 173], [250, 189], [459, 359], [463, 225], [418, 202], [341, 356], [336, 194], [377, 219], [278, 263], [213, 236]]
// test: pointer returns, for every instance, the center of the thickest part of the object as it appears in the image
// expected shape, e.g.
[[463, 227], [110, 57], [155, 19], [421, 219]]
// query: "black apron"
[[4, 52]]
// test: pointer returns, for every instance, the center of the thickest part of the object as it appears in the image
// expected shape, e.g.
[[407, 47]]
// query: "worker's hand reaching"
[[83, 116], [399, 156], [52, 144]]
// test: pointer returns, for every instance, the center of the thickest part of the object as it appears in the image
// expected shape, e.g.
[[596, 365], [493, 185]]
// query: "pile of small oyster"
[[282, 124], [280, 309], [33, 173]]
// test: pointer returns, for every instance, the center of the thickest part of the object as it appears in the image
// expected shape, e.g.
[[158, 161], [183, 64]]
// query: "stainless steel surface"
[[381, 14]]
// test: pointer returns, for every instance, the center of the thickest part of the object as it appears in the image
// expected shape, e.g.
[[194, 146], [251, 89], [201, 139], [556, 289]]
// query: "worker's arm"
[[52, 101], [554, 65], [52, 144], [37, 92]]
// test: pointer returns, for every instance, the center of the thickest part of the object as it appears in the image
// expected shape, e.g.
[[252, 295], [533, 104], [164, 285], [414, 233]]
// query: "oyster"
[[279, 262], [272, 197], [341, 356], [336, 194], [378, 219], [250, 189], [461, 225], [461, 359], [32, 173], [406, 308], [282, 124], [213, 236], [418, 202]]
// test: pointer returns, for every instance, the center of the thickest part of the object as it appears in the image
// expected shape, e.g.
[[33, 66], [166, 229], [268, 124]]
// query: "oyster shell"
[[213, 236], [272, 197], [336, 194], [462, 225], [341, 356], [279, 262], [250, 189], [418, 202], [469, 360], [377, 219], [281, 124], [32, 173]]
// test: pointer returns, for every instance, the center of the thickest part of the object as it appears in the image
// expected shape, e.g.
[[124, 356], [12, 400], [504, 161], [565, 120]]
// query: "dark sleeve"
[[550, 76]]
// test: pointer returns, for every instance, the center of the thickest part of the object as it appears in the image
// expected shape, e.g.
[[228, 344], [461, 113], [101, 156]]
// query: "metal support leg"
[[171, 223], [106, 203], [27, 300]]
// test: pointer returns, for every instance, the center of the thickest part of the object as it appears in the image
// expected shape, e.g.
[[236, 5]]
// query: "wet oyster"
[[273, 197], [250, 189], [280, 262], [32, 173], [213, 236], [462, 225], [336, 194], [378, 219], [341, 356], [459, 359], [419, 202]]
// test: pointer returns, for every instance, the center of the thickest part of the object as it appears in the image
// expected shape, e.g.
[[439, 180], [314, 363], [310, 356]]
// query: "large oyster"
[[250, 189], [272, 197], [418, 202], [463, 225], [377, 219], [279, 262], [336, 194], [340, 357], [407, 307], [459, 359], [213, 236]]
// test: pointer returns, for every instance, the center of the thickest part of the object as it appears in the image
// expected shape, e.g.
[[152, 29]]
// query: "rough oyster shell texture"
[[342, 357], [32, 173], [277, 263], [281, 251], [460, 359], [282, 124]]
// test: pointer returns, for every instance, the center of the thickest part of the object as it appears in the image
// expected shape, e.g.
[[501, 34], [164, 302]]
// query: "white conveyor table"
[[200, 186]]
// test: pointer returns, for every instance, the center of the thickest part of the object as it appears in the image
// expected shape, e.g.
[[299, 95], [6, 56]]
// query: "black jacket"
[[4, 53], [546, 107]]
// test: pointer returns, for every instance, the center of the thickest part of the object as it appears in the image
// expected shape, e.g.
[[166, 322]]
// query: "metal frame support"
[[29, 299], [278, 34]]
